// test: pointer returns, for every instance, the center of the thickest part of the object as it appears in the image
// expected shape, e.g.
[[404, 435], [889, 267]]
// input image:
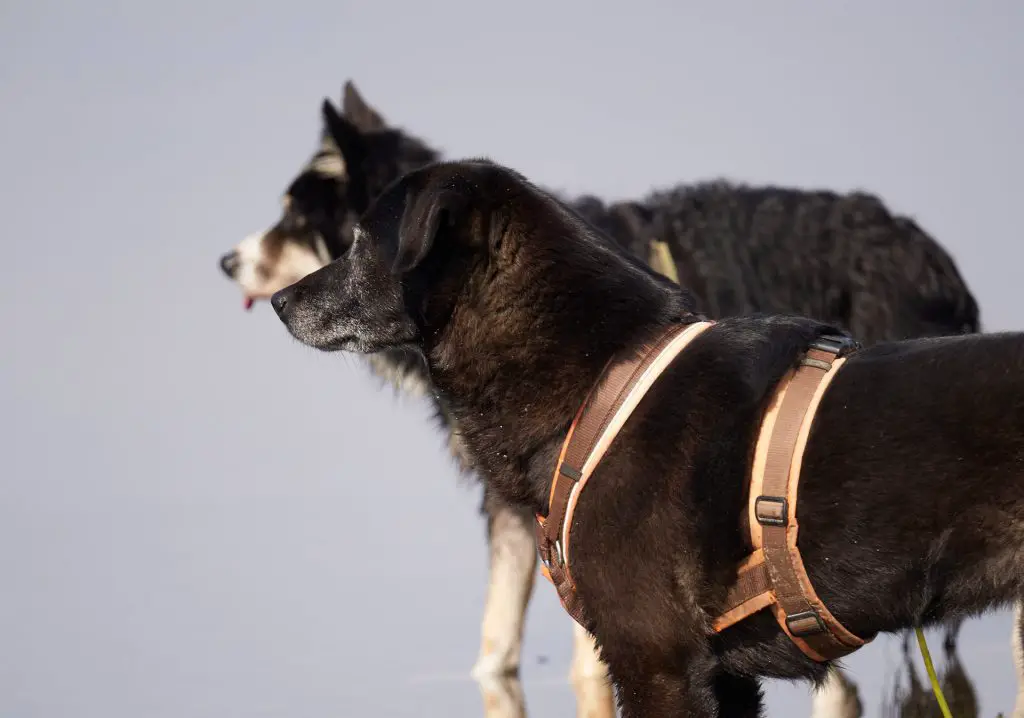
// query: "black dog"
[[912, 503], [844, 259]]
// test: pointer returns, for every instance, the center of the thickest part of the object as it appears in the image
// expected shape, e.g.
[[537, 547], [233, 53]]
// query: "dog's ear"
[[358, 111], [430, 212], [344, 134]]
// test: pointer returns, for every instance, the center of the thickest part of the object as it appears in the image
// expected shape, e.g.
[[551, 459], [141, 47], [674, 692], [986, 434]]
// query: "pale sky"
[[190, 500]]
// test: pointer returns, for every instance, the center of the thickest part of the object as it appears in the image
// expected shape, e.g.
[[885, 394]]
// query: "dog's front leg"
[[699, 690], [586, 662], [502, 697], [738, 696], [589, 678], [513, 559]]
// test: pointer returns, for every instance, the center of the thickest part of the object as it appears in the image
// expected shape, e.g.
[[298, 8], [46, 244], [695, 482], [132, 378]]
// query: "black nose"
[[229, 263], [280, 300]]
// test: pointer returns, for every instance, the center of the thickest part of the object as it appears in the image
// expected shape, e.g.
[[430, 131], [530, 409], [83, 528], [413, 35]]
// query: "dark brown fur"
[[911, 503]]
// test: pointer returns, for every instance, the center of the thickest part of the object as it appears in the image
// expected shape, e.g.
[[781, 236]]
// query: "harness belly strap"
[[775, 574]]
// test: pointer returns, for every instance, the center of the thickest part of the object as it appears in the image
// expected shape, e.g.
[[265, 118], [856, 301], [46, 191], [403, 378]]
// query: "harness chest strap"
[[605, 410], [774, 574]]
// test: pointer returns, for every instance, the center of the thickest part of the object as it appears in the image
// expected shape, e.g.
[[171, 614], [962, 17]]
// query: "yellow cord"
[[923, 644]]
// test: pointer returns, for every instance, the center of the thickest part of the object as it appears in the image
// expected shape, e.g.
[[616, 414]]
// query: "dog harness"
[[774, 574]]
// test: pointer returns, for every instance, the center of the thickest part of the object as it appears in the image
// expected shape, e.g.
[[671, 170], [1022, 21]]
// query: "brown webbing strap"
[[751, 592], [775, 574], [613, 398]]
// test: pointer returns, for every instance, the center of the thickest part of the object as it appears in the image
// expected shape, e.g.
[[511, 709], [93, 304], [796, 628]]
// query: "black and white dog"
[[841, 258]]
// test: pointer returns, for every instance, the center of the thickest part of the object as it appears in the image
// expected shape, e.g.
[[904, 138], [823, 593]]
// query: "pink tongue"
[[247, 303]]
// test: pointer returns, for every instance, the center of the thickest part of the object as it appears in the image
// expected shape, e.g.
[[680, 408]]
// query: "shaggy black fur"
[[911, 502]]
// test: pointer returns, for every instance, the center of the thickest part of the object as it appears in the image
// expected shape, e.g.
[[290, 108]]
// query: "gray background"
[[185, 493]]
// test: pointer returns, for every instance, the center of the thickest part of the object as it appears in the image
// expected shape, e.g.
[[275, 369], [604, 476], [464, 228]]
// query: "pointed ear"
[[345, 135], [356, 109], [429, 213]]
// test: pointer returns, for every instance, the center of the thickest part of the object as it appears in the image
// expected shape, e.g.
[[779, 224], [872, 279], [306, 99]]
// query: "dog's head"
[[377, 296], [357, 157], [461, 254]]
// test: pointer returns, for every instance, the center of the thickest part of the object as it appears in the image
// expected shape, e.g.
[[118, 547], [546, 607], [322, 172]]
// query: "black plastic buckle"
[[570, 472], [838, 344], [771, 510], [805, 623]]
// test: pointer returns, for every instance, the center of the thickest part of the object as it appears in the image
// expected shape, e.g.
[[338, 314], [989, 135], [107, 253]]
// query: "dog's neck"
[[513, 381]]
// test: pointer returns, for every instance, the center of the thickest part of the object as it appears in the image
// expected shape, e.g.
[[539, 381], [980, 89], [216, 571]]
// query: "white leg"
[[589, 677], [836, 698], [513, 556], [1017, 642], [586, 663], [502, 697]]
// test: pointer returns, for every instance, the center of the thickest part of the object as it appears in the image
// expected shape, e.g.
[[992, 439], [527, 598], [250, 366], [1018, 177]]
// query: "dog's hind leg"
[[836, 697], [513, 566], [589, 677]]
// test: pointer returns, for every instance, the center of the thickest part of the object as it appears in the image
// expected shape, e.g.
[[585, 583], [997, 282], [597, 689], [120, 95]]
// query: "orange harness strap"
[[774, 574], [611, 401]]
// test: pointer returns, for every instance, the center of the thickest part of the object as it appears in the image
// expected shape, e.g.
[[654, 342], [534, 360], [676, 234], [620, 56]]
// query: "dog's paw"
[[502, 697]]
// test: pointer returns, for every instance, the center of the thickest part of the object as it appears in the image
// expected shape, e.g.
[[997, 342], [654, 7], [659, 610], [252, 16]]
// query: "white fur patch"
[[1018, 659], [836, 698], [260, 277], [586, 662], [397, 377], [332, 166], [328, 161], [321, 250]]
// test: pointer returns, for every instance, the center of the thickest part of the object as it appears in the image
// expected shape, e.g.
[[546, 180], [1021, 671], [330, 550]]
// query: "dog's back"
[[916, 452], [840, 258]]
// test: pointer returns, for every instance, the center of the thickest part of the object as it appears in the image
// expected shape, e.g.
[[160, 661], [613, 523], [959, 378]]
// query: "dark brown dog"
[[912, 496]]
